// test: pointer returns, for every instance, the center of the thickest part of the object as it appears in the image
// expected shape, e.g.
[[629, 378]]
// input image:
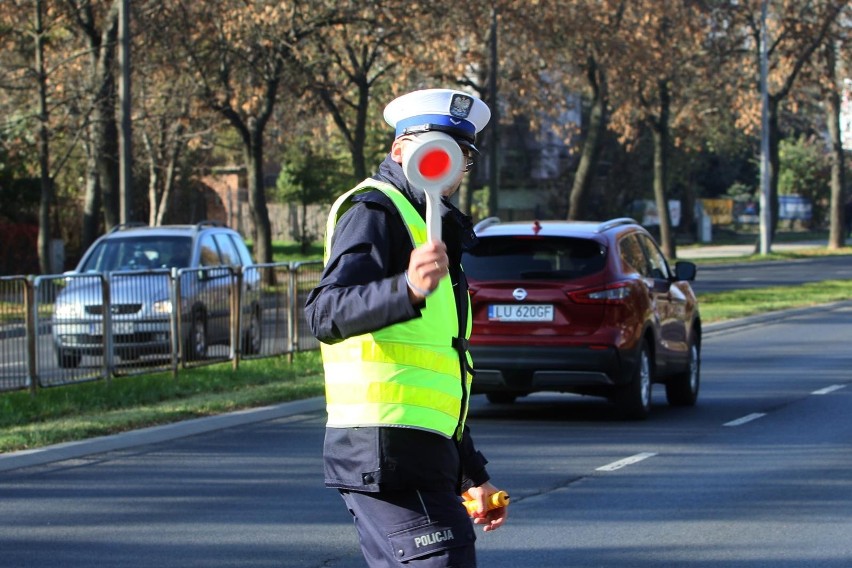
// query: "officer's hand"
[[492, 519], [426, 266]]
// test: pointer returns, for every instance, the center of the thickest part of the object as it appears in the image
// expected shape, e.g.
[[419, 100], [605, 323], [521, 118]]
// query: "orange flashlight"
[[495, 501]]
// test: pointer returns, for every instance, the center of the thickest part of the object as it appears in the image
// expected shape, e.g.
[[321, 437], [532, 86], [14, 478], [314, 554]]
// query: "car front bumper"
[[128, 337]]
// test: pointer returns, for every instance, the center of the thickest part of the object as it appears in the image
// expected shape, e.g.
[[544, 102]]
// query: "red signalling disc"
[[434, 163]]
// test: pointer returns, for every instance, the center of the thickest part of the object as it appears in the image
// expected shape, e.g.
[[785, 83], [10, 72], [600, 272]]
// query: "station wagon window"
[[242, 250], [209, 252], [659, 268], [138, 253], [632, 255], [226, 250]]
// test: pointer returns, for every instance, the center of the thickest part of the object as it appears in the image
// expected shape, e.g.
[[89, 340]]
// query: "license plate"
[[118, 328], [520, 312]]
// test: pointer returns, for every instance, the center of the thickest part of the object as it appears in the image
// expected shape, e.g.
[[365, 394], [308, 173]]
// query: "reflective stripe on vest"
[[407, 374]]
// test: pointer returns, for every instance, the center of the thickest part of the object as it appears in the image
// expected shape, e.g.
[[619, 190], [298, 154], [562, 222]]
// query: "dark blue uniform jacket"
[[363, 289]]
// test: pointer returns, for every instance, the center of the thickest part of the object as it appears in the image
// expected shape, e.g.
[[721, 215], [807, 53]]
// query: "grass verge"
[[734, 304], [76, 412], [784, 255]]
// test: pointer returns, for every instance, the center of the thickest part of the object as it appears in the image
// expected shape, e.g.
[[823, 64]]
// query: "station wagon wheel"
[[254, 334], [682, 389], [634, 398], [196, 341]]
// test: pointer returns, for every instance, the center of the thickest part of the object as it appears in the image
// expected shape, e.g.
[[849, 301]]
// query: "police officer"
[[392, 313]]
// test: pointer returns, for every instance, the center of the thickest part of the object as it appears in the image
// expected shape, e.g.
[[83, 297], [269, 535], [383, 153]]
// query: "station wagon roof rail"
[[485, 223], [606, 225]]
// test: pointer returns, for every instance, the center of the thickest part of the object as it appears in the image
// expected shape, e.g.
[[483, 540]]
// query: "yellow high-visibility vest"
[[407, 374]]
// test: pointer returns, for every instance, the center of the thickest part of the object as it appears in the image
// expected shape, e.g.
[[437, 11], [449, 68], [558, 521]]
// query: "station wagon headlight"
[[68, 311], [162, 307]]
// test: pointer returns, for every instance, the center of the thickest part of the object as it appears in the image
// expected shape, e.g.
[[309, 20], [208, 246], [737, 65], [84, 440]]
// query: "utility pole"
[[765, 201], [125, 135], [494, 145]]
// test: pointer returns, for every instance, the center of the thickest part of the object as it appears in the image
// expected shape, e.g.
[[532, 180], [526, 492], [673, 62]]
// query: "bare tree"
[[797, 29], [98, 26], [240, 64], [831, 83]]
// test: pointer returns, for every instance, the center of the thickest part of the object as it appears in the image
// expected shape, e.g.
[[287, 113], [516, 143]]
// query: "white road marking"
[[626, 461], [827, 390], [744, 419]]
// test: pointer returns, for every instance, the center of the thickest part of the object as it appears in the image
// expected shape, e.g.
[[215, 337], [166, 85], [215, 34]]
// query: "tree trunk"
[[660, 136], [660, 129], [836, 232], [105, 136], [43, 153], [103, 130], [592, 144], [91, 201], [162, 156], [359, 163], [304, 240], [774, 162], [153, 181], [588, 160], [262, 236], [165, 207]]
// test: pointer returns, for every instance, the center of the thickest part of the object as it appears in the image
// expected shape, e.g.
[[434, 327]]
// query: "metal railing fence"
[[70, 328], [306, 277], [15, 300]]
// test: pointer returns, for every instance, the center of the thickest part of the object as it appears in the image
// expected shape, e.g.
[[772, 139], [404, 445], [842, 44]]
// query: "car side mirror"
[[685, 270]]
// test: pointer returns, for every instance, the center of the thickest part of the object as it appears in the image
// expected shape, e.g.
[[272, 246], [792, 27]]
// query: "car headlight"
[[162, 307], [68, 311]]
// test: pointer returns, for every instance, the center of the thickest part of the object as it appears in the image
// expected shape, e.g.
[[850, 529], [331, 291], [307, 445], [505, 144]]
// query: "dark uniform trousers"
[[422, 529]]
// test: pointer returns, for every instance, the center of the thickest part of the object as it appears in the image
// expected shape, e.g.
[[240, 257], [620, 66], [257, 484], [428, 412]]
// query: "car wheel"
[[196, 341], [254, 334], [634, 398], [682, 389], [501, 397], [68, 359]]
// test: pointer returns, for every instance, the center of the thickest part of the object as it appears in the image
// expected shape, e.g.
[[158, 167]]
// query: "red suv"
[[581, 307]]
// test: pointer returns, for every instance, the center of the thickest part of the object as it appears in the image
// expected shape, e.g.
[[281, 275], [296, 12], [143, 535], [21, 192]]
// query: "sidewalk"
[[733, 251]]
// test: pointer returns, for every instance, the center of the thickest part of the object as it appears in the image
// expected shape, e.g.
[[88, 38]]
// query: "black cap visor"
[[458, 135]]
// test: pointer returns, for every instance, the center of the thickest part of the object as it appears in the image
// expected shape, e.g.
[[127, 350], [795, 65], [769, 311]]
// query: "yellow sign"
[[721, 211]]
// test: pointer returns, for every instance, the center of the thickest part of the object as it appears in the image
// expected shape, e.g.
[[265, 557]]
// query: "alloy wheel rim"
[[645, 379], [693, 369]]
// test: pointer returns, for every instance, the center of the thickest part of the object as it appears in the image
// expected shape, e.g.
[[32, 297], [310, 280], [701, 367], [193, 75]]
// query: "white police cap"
[[458, 114]]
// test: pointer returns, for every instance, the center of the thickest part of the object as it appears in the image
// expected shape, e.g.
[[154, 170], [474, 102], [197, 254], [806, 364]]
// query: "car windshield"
[[542, 258], [139, 253]]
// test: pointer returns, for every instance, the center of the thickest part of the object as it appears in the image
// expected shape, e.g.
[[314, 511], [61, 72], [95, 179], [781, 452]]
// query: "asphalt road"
[[759, 474]]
